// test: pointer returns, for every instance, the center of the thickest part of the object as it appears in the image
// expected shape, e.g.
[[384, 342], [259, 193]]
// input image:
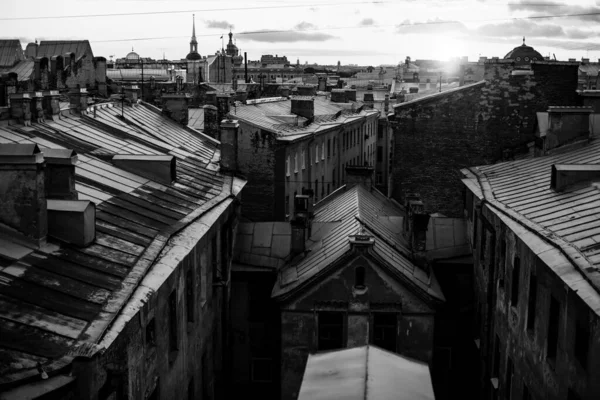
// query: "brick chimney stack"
[[78, 99], [229, 145], [303, 106]]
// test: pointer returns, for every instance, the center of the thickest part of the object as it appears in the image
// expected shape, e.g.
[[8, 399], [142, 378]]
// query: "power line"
[[192, 11]]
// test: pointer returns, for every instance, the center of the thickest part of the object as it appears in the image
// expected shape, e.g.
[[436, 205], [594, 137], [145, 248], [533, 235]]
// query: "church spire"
[[193, 42]]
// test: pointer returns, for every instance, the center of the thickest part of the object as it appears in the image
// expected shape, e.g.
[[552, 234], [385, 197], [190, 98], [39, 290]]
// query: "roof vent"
[[362, 240], [72, 221], [564, 175], [158, 168]]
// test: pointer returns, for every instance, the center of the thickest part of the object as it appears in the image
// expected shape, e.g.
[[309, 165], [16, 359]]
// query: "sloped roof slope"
[[11, 52], [350, 212], [49, 48], [562, 228], [61, 301]]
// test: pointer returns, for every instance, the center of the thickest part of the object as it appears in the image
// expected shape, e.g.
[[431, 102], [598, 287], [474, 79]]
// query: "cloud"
[[219, 24], [431, 26], [303, 26], [550, 8], [367, 22], [521, 28], [287, 36]]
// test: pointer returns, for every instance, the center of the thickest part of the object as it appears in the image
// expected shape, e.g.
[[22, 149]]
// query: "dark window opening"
[[150, 333], [189, 295], [190, 390], [572, 395], [331, 330], [173, 345], [552, 339], [385, 330], [379, 154], [531, 303], [262, 370], [509, 378], [496, 365], [359, 277], [526, 395], [514, 298], [582, 341], [328, 148]]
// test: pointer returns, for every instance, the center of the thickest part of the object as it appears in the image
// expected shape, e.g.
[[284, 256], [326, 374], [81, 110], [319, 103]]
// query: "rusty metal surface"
[[48, 298]]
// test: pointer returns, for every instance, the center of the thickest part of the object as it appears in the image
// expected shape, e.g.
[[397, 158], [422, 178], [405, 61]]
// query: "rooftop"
[[351, 212], [562, 228], [363, 373], [60, 299], [10, 52]]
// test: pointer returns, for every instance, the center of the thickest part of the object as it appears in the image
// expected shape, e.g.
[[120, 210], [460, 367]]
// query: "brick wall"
[[434, 138]]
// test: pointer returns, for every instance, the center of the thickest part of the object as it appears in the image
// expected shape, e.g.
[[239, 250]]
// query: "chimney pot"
[[175, 105], [20, 107], [37, 110], [229, 145], [51, 104], [78, 100], [72, 221], [351, 94]]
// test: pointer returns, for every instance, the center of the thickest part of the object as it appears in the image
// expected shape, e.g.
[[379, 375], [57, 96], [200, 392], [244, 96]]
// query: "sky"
[[314, 31]]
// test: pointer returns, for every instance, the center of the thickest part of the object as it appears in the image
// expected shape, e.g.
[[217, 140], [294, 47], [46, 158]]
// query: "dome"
[[193, 56], [523, 54], [132, 56]]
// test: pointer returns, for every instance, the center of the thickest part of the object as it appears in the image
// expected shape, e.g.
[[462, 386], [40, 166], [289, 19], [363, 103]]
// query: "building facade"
[[535, 256]]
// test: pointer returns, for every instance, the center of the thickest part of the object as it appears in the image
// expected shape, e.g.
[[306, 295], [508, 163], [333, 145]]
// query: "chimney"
[[229, 145], [161, 169], [303, 106], [131, 93], [359, 175], [211, 98], [22, 192], [51, 105], [241, 95], [415, 222], [306, 90], [20, 108], [351, 94], [322, 84], [60, 174], [37, 110], [72, 221], [566, 125], [211, 121], [300, 222], [338, 96], [223, 100], [572, 60], [368, 100], [175, 106], [585, 60], [78, 99], [386, 103], [285, 91], [482, 59], [564, 175]]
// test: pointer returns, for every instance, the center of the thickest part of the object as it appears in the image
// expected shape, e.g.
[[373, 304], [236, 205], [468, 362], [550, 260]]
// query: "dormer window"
[[359, 277], [296, 163]]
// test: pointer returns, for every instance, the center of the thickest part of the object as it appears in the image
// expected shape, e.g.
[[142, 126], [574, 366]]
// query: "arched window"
[[359, 277]]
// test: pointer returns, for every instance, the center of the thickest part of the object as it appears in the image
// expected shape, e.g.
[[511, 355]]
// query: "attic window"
[[564, 175], [359, 277]]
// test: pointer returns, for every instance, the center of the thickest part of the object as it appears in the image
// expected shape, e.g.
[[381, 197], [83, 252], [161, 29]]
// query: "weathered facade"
[[352, 284], [299, 145], [533, 228], [138, 307], [476, 124]]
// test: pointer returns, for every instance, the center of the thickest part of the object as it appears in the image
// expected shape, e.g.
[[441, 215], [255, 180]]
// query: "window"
[[385, 330], [509, 378], [531, 302], [190, 390], [359, 277], [526, 395], [189, 295], [316, 154], [323, 151], [344, 141], [334, 146], [514, 298], [328, 148], [331, 330], [582, 341], [296, 163], [261, 369], [380, 133], [287, 166], [303, 156], [379, 178], [552, 338], [150, 333], [173, 345], [379, 153], [215, 260], [328, 189]]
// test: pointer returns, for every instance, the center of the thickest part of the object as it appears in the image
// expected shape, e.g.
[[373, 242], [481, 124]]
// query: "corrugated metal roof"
[[363, 373], [11, 52], [24, 70], [49, 301], [437, 95], [135, 74], [49, 48], [196, 118], [348, 213], [263, 244], [265, 115], [567, 220]]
